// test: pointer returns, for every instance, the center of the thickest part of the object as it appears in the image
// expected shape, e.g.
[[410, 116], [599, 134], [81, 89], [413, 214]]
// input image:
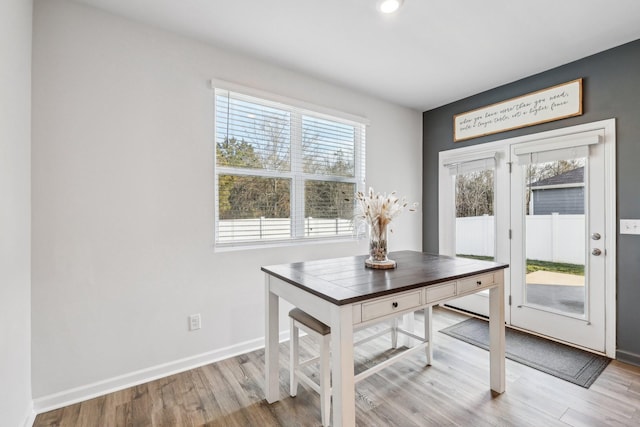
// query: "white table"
[[344, 294]]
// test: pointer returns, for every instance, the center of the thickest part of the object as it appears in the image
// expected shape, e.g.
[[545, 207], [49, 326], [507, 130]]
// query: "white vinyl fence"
[[280, 228], [555, 238]]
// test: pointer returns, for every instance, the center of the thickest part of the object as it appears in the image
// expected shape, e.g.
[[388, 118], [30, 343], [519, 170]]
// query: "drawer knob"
[[479, 283], [394, 304]]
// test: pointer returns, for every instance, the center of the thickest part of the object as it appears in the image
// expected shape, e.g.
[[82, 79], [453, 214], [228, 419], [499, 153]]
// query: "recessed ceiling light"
[[389, 6]]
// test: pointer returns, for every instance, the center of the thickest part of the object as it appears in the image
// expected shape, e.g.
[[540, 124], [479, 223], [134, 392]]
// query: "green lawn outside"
[[535, 265]]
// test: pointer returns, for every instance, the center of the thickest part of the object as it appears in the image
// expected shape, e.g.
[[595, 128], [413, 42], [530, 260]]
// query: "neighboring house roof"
[[575, 176]]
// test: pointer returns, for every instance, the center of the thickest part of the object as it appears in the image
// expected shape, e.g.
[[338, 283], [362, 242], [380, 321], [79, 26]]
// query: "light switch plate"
[[630, 226]]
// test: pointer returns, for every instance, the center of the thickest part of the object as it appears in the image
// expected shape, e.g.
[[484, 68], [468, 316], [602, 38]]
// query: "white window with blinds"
[[284, 172]]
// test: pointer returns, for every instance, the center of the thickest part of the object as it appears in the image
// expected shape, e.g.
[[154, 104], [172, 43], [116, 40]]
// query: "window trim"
[[329, 113], [296, 175]]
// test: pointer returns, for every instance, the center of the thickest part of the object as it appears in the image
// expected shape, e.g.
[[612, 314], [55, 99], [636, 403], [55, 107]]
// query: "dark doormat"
[[571, 364]]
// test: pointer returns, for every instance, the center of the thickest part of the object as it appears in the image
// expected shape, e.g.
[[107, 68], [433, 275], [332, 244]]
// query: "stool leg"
[[325, 380], [293, 358], [409, 324], [428, 336]]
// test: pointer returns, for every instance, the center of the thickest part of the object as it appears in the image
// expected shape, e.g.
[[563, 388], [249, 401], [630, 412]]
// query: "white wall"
[[15, 211], [123, 200]]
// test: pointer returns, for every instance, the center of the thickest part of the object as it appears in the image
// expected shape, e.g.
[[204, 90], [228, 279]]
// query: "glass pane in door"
[[475, 221], [555, 235]]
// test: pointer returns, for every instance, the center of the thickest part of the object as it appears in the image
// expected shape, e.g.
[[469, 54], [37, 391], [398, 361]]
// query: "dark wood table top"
[[346, 280]]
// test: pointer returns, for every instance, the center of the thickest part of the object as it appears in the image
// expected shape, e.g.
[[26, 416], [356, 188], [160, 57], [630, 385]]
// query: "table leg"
[[343, 387], [271, 355], [496, 338]]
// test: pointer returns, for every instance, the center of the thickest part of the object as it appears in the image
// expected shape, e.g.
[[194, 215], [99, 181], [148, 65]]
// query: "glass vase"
[[378, 248]]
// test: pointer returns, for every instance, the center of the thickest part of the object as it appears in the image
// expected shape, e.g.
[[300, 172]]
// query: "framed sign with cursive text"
[[546, 105]]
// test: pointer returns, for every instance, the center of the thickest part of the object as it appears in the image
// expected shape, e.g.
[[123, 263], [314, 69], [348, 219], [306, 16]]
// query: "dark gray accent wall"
[[611, 89]]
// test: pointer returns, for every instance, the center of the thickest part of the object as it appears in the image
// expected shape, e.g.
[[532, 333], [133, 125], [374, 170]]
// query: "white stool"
[[321, 333]]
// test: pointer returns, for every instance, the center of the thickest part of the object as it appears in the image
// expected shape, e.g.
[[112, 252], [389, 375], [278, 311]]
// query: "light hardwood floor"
[[454, 391]]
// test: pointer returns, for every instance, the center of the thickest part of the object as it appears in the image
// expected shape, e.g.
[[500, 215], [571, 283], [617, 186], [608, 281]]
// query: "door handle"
[[596, 252]]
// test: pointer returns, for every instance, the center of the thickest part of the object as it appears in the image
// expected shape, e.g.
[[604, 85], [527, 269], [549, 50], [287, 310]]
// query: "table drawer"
[[390, 305], [475, 282], [435, 293]]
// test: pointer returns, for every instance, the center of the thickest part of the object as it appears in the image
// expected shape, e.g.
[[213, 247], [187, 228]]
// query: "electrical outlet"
[[629, 226], [194, 322]]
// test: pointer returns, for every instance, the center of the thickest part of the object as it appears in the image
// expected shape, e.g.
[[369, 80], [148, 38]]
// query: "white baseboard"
[[90, 391], [31, 417]]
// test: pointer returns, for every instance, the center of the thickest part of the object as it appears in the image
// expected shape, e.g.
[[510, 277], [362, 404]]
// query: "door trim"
[[611, 222]]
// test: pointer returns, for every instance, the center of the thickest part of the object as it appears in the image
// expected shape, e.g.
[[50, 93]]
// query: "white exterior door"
[[552, 220], [559, 238], [474, 212]]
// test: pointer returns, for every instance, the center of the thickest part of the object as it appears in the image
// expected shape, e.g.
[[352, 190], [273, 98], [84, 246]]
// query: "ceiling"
[[429, 53]]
